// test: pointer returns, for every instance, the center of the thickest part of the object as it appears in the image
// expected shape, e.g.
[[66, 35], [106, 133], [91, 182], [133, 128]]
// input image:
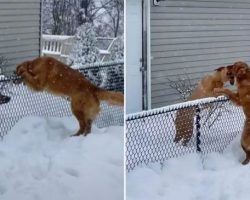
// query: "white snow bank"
[[38, 160], [193, 177]]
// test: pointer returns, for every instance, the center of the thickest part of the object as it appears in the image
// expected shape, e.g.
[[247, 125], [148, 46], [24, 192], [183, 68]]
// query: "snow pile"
[[40, 161], [209, 177]]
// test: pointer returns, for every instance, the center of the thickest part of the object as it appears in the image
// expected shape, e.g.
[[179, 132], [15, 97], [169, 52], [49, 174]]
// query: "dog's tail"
[[115, 98]]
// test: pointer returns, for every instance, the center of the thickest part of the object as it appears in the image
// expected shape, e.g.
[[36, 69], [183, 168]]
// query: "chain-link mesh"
[[201, 126], [17, 101]]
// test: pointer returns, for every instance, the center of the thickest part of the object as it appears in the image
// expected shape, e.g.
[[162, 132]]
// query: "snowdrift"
[[40, 161], [215, 176]]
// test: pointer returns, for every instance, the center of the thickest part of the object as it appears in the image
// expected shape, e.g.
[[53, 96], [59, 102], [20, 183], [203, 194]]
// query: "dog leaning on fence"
[[241, 72], [49, 74], [185, 117]]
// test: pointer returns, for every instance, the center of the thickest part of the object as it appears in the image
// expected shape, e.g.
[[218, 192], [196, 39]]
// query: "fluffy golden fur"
[[49, 74], [241, 73], [184, 117]]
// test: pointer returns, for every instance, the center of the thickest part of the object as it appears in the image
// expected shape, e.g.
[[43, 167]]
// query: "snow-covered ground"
[[193, 177], [38, 160], [176, 172]]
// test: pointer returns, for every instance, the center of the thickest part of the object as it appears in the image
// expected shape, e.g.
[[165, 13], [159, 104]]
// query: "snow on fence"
[[150, 134], [24, 102]]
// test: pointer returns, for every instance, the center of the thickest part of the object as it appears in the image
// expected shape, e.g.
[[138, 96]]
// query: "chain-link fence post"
[[198, 126]]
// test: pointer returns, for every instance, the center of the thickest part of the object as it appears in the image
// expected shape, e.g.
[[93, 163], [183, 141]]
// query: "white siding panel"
[[31, 11], [190, 38], [19, 30], [20, 5], [194, 22], [18, 37], [188, 28], [19, 18], [206, 4], [15, 24]]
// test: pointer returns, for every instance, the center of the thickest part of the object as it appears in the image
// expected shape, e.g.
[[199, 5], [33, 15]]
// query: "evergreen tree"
[[85, 49]]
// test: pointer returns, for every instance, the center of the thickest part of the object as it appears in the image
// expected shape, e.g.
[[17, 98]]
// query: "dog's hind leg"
[[247, 159], [245, 141], [82, 126], [85, 107]]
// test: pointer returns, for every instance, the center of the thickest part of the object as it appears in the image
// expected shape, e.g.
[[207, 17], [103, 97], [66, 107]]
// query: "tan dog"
[[184, 117], [241, 72], [47, 73]]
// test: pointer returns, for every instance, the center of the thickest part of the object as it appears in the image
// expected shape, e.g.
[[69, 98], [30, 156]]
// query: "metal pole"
[[144, 62], [198, 125]]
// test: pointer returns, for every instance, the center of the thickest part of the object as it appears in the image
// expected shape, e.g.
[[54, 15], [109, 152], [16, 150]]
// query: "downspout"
[[40, 31], [144, 60]]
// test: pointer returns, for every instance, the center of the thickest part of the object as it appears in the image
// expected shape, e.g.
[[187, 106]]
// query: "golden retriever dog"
[[184, 117], [241, 72], [51, 75]]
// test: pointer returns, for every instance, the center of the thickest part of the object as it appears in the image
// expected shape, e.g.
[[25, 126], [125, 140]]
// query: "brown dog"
[[47, 73], [241, 72], [184, 117]]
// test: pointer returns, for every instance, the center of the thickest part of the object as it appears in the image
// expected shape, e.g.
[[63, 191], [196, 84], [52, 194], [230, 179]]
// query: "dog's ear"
[[230, 67], [220, 69]]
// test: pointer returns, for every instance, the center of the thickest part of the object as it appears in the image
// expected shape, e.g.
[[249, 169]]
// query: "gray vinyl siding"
[[19, 31], [192, 38]]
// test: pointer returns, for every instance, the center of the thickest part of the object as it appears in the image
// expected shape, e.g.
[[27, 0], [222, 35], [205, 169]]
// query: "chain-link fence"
[[203, 126], [17, 101]]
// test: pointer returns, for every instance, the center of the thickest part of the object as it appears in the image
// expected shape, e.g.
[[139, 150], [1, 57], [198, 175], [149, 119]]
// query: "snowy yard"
[[40, 161], [193, 177], [176, 172]]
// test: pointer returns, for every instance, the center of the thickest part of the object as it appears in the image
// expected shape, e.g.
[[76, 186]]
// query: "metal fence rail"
[[213, 124], [24, 102]]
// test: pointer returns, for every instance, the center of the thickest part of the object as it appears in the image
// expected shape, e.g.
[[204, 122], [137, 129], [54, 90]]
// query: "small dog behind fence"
[[185, 117]]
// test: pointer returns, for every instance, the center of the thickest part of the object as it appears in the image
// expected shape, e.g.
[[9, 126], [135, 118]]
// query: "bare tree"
[[112, 21], [91, 10], [63, 17], [184, 86]]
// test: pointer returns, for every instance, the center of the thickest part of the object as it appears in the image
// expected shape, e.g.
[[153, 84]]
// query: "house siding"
[[19, 31], [192, 38]]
